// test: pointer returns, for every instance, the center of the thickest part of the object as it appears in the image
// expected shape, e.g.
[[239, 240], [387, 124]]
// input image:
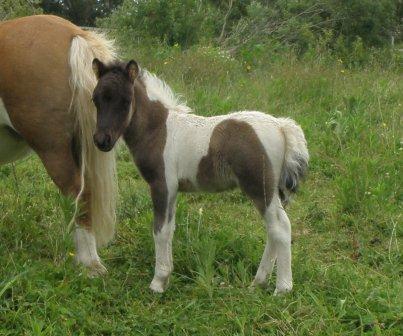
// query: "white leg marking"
[[87, 255], [281, 233], [163, 257], [269, 254], [278, 246], [163, 253]]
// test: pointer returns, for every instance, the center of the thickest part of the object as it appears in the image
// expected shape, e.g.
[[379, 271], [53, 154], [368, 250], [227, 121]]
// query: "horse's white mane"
[[157, 89]]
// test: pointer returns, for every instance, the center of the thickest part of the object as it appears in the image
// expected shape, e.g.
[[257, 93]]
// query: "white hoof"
[[96, 269], [282, 290], [158, 285], [258, 283]]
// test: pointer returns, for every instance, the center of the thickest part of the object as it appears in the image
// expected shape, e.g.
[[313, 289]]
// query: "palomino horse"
[[179, 151], [46, 83]]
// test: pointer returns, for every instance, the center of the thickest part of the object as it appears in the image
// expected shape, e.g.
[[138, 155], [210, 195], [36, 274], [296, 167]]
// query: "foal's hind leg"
[[269, 255], [65, 172], [281, 234], [278, 246]]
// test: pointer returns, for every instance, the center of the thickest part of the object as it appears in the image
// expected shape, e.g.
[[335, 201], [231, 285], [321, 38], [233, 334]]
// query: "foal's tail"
[[295, 159], [98, 169]]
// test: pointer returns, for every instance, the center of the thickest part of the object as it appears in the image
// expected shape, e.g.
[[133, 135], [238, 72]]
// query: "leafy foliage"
[[340, 26], [10, 9], [169, 21], [348, 29], [80, 12]]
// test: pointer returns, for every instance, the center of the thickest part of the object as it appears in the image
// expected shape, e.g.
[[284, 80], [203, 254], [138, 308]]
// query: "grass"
[[346, 221]]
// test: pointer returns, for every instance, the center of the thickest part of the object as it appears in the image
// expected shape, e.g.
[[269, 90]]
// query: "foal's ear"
[[133, 70], [98, 67]]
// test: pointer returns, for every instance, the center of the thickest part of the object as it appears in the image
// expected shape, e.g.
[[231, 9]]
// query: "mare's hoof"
[[96, 269]]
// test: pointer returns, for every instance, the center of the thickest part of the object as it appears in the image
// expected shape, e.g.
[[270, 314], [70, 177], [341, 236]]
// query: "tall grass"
[[346, 220]]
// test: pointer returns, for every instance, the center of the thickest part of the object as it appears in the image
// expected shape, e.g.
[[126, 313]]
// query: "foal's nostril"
[[107, 140], [98, 139], [103, 141]]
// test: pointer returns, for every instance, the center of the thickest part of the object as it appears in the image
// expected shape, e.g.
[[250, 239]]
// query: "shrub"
[[10, 9], [169, 21], [257, 31]]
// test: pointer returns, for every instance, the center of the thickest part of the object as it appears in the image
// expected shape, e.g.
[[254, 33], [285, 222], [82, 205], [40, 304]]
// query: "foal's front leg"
[[164, 227]]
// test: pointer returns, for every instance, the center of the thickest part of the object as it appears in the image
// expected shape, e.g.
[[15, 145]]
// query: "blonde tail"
[[98, 169]]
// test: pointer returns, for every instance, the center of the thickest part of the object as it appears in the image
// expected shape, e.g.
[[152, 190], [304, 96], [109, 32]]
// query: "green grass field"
[[346, 221]]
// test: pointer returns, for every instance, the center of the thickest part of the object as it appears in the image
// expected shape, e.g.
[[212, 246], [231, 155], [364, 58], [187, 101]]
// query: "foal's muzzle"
[[103, 141]]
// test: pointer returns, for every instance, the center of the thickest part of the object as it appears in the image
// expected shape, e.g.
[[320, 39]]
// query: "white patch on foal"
[[12, 146], [163, 253]]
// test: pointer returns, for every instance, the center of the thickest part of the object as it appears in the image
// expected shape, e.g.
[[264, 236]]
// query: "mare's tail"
[[98, 169]]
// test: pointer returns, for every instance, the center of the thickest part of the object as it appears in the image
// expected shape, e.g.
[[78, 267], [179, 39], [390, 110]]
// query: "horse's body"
[[46, 81], [12, 146], [175, 151], [191, 138]]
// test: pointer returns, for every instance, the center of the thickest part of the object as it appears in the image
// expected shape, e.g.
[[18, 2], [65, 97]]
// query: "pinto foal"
[[179, 151]]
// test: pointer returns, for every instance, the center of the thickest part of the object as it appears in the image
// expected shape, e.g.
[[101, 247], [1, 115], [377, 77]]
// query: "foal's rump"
[[259, 153], [285, 146]]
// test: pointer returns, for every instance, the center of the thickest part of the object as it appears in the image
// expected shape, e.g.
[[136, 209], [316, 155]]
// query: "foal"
[[176, 151]]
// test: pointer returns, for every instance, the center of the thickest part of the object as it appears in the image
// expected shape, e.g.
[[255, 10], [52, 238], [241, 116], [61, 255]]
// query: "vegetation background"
[[333, 66]]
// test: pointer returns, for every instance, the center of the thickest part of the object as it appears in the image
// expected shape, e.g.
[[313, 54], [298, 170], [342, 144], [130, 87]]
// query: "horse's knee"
[[62, 169]]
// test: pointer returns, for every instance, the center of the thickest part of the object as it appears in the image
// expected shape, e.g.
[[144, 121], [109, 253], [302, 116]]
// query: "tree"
[[80, 12], [10, 9]]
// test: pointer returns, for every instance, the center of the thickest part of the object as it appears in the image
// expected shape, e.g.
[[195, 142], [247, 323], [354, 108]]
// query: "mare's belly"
[[12, 146]]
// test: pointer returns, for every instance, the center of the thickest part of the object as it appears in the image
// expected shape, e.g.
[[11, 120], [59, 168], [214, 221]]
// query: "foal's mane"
[[157, 89]]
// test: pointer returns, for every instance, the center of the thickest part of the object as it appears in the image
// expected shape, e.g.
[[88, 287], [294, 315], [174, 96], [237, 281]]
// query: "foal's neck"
[[147, 123]]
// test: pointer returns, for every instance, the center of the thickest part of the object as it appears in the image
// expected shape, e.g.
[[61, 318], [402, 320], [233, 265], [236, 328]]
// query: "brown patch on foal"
[[145, 134], [146, 137], [237, 155]]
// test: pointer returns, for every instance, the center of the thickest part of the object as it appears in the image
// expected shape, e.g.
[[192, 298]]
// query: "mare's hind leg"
[[44, 121], [64, 171]]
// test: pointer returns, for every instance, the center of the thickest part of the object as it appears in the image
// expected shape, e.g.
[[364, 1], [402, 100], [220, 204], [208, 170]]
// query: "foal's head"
[[113, 97]]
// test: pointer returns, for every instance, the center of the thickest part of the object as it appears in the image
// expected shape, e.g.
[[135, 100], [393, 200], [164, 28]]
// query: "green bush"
[[373, 22], [257, 31], [169, 21], [10, 9]]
